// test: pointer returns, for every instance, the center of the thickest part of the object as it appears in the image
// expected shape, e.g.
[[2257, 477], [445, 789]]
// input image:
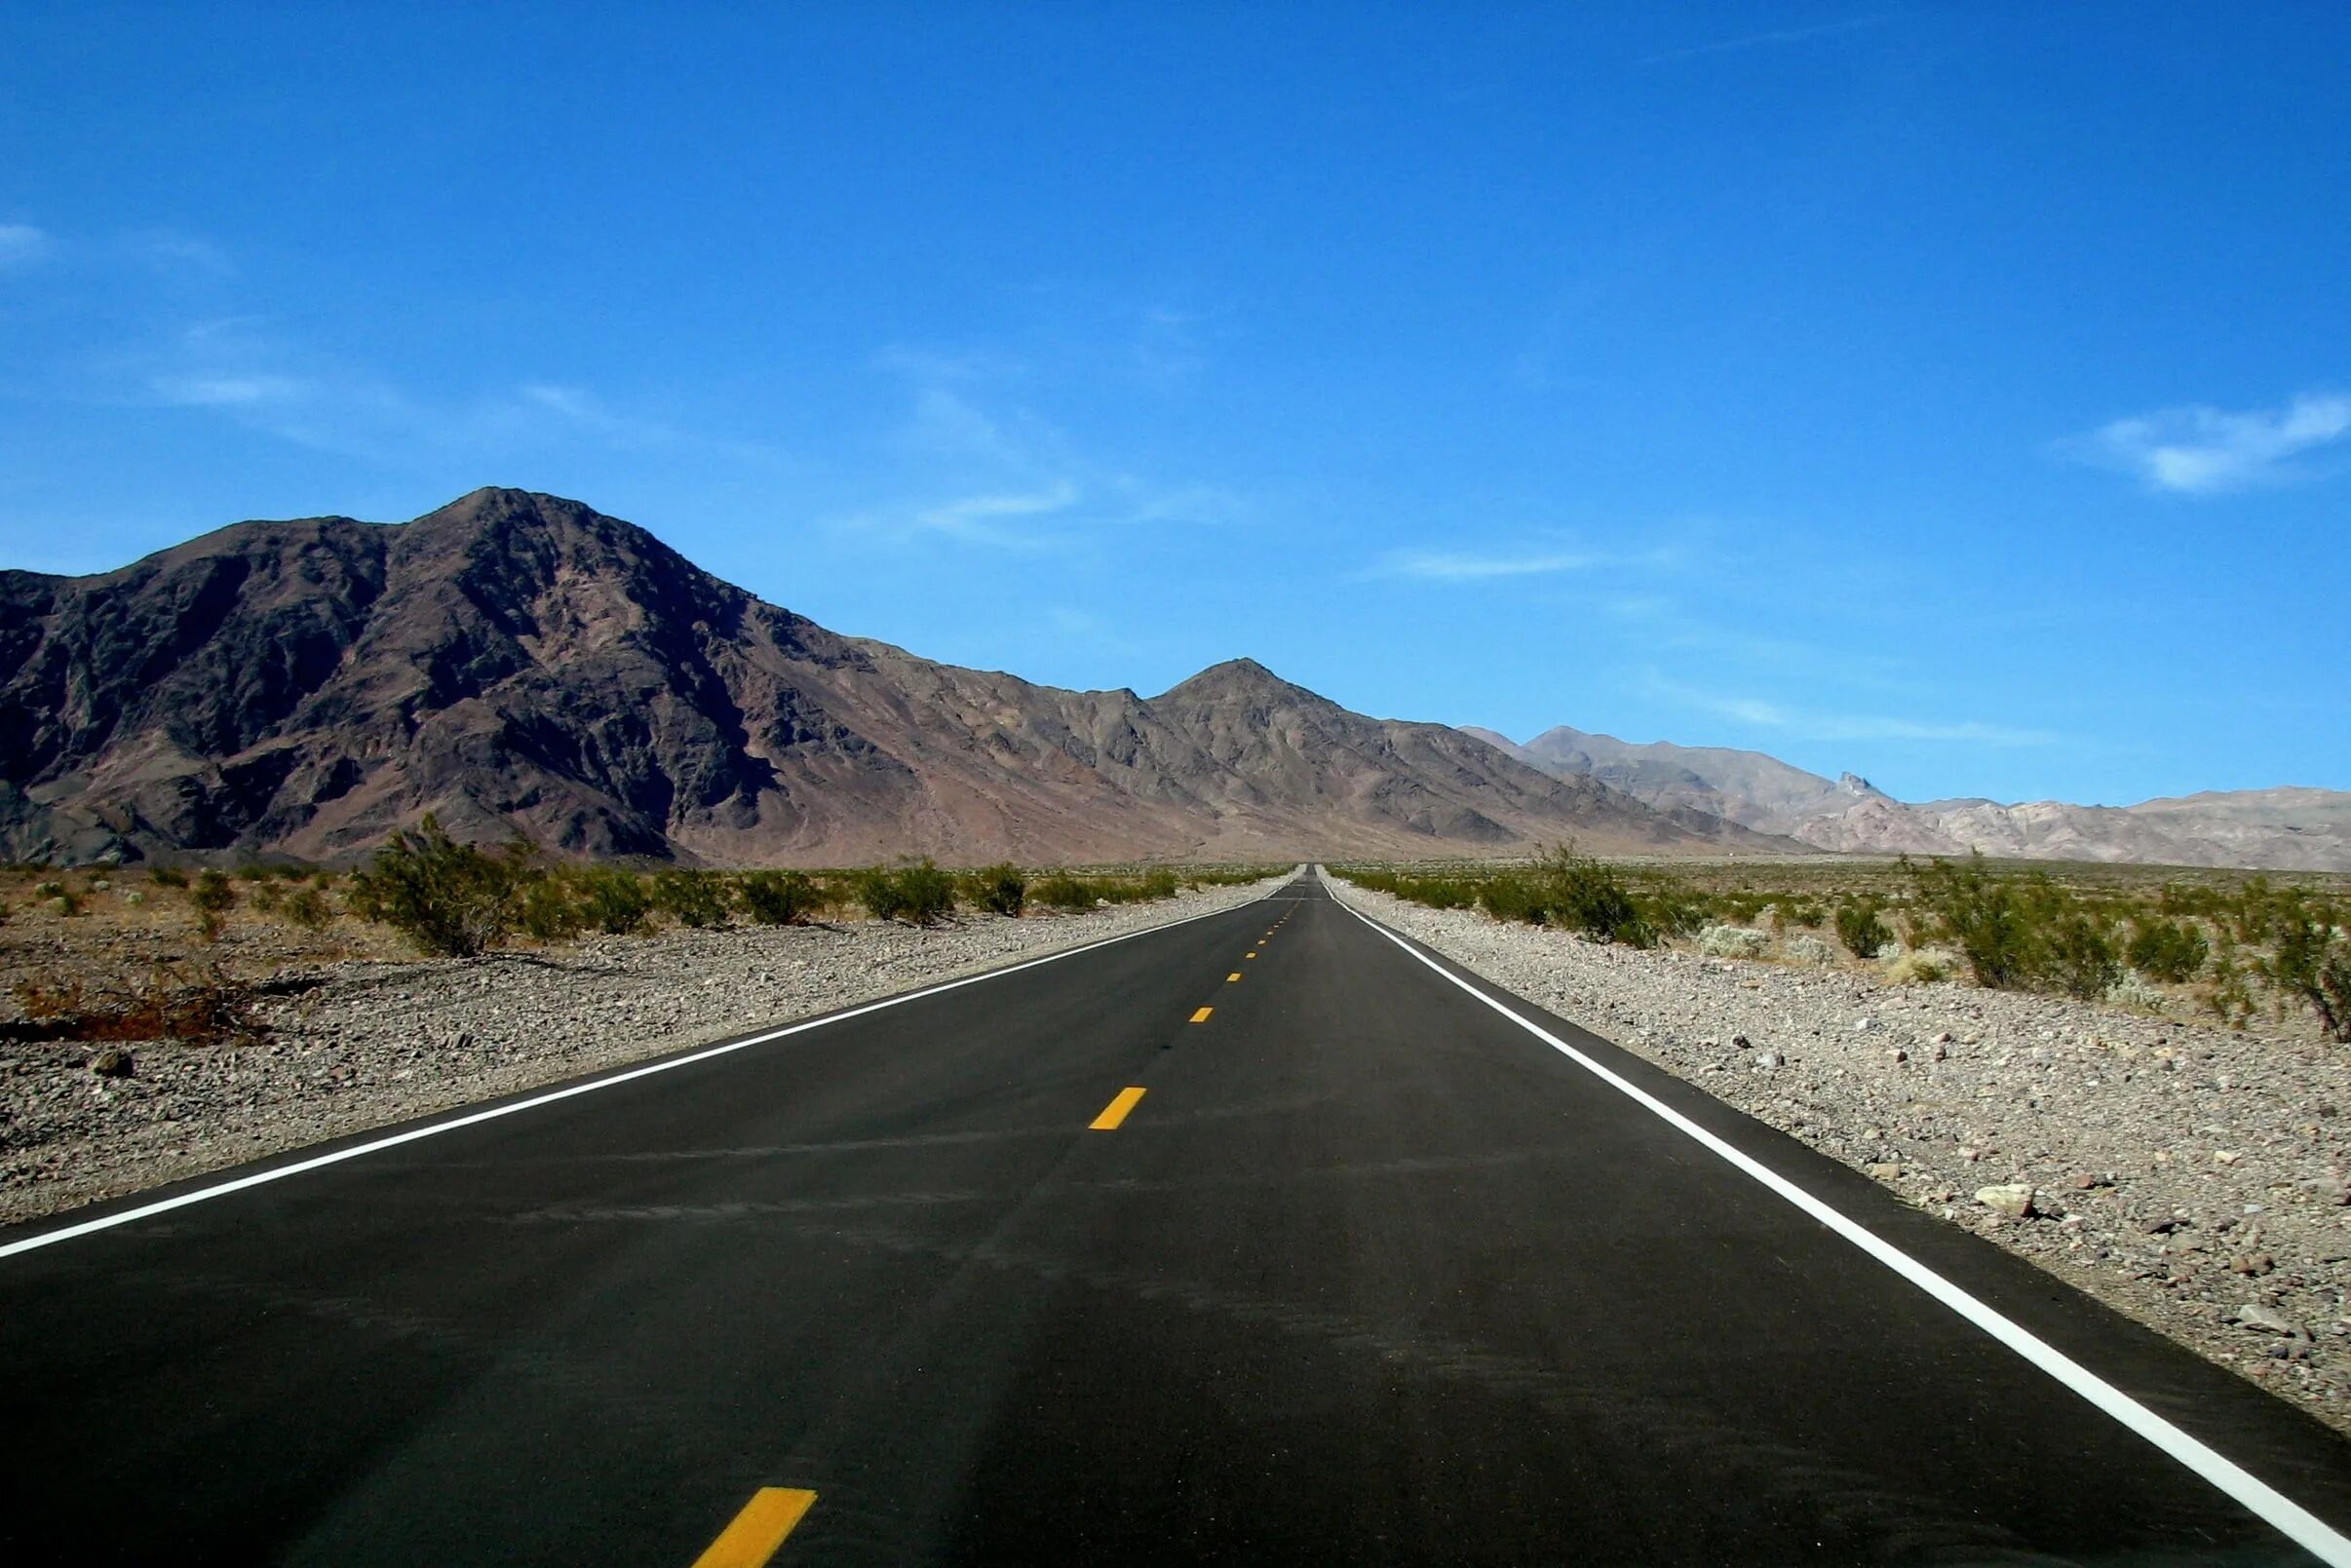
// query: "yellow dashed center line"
[[1234, 976], [1202, 1016], [1115, 1112], [1249, 955], [761, 1528]]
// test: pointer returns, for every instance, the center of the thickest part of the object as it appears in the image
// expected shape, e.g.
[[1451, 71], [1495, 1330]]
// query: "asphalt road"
[[1367, 1274]]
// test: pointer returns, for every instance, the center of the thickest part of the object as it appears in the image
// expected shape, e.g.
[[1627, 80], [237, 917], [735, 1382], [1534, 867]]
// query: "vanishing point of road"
[[1261, 1237]]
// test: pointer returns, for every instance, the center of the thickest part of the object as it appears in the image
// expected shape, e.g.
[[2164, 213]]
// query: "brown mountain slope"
[[517, 662]]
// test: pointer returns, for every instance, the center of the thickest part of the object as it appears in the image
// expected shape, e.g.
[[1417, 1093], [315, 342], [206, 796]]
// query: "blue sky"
[[1960, 395]]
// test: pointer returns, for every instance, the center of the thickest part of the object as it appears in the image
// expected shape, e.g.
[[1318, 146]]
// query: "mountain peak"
[[1237, 679]]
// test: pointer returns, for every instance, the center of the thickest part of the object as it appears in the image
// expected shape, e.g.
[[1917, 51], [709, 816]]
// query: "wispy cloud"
[[1004, 477], [985, 520], [2202, 451], [21, 243], [1814, 725], [1455, 566], [1479, 566], [1769, 40]]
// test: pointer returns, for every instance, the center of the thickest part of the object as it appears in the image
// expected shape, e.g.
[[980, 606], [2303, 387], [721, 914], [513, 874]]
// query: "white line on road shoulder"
[[108, 1222], [2280, 1512]]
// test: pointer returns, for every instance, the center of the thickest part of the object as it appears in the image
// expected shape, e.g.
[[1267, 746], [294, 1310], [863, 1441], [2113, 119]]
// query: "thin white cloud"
[[228, 390], [171, 253], [1814, 725], [21, 243], [1010, 478], [981, 518], [2202, 451], [1456, 567], [1534, 561], [1769, 40]]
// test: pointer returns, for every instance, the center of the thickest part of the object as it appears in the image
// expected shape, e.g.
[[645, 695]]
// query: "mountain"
[[516, 661], [2288, 829]]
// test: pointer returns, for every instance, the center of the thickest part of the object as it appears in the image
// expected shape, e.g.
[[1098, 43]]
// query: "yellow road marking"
[[759, 1529], [1234, 976], [1249, 955], [1116, 1111], [1202, 1015]]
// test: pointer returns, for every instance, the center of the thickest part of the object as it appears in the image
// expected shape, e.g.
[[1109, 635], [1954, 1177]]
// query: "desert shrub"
[[308, 909], [926, 894], [2310, 961], [1581, 894], [1063, 892], [2132, 990], [548, 912], [1158, 883], [214, 897], [168, 876], [1862, 926], [999, 889], [614, 902], [1731, 941], [695, 898], [265, 897], [2075, 953], [778, 897], [1674, 910], [1923, 966], [1806, 948], [1507, 896], [917, 894], [1983, 914], [449, 898], [2168, 950]]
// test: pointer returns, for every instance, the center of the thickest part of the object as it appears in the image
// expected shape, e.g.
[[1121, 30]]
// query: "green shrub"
[[168, 876], [1983, 914], [1063, 892], [613, 902], [1159, 882], [449, 898], [2169, 950], [214, 897], [917, 894], [778, 897], [1861, 926], [548, 912], [1581, 894], [926, 894], [2075, 953], [1000, 888], [2310, 961], [309, 909], [695, 898]]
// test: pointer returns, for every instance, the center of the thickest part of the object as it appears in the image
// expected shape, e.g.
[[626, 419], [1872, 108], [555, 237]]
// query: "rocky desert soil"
[[358, 1042], [2191, 1177]]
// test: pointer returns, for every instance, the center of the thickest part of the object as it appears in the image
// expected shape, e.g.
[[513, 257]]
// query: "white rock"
[[2013, 1198]]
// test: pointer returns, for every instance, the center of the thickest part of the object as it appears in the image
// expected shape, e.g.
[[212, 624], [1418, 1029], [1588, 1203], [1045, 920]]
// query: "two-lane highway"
[[1260, 1237]]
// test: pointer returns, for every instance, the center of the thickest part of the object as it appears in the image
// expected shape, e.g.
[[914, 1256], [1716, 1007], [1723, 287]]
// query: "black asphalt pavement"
[[1366, 1275]]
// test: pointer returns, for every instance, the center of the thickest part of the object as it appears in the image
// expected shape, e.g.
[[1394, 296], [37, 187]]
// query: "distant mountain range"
[[519, 663], [516, 661], [2283, 829]]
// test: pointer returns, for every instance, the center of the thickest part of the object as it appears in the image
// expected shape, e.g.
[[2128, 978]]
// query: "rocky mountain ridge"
[[2285, 828], [519, 663]]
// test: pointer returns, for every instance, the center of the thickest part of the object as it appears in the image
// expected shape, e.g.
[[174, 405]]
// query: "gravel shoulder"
[[363, 1044], [2191, 1177]]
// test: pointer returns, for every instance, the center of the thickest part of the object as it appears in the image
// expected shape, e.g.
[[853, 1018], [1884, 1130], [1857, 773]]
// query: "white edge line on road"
[[108, 1222], [2280, 1512]]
